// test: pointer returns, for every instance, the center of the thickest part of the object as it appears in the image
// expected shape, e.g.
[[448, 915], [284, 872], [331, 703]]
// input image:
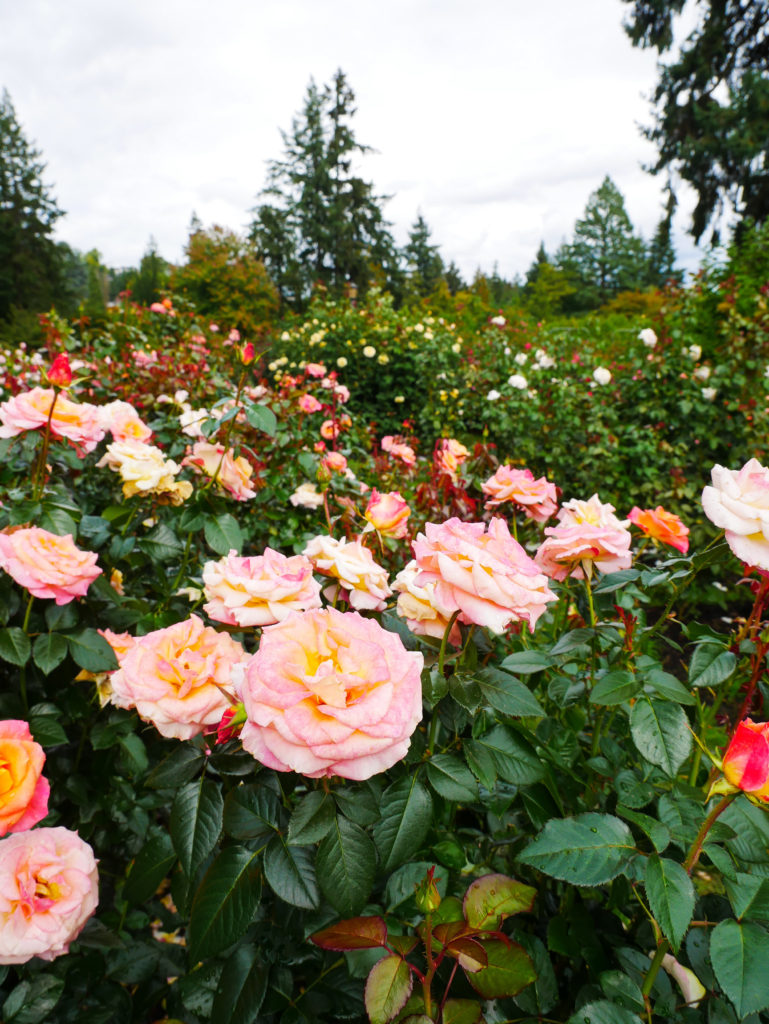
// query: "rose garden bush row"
[[307, 720]]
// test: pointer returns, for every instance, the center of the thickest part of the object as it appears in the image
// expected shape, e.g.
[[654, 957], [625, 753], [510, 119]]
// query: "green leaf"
[[225, 903], [661, 733], [31, 1002], [492, 898], [290, 873], [355, 933], [311, 820], [615, 688], [251, 812], [346, 866], [509, 970], [161, 544], [151, 866], [14, 645], [242, 987], [571, 641], [514, 759], [461, 1011], [262, 418], [711, 665], [406, 814], [196, 822], [91, 651], [451, 778], [176, 768], [749, 896], [603, 1012], [740, 954], [655, 830], [47, 731], [525, 663], [507, 694], [387, 989], [223, 534], [667, 686], [671, 897], [587, 850], [614, 580], [48, 651], [466, 692]]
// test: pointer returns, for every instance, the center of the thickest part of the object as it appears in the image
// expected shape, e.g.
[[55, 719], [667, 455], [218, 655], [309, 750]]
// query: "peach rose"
[[589, 535], [49, 887], [232, 473], [362, 582], [738, 502], [261, 590], [388, 513], [331, 693], [661, 525], [449, 456], [123, 422], [420, 607], [398, 450], [77, 422], [178, 678], [536, 498], [23, 790], [316, 369], [486, 576], [144, 469], [46, 564], [335, 462]]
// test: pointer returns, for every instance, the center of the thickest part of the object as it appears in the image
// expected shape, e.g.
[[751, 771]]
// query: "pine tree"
[[30, 262], [423, 260], [322, 222]]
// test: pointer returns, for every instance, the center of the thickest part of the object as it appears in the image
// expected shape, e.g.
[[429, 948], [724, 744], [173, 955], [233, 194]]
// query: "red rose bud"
[[746, 761], [232, 722], [60, 374], [248, 354]]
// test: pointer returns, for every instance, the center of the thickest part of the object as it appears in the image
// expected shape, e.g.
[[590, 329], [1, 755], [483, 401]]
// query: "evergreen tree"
[[423, 260], [547, 286], [711, 102], [322, 222], [148, 282], [661, 266], [454, 279], [606, 256], [30, 262]]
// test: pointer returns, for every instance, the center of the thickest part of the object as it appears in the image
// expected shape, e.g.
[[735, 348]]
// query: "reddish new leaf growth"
[[354, 933]]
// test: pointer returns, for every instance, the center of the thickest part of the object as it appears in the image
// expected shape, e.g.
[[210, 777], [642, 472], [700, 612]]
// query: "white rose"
[[702, 372], [518, 381], [601, 375], [521, 358], [306, 496], [738, 502], [493, 395], [648, 337], [709, 394], [695, 352]]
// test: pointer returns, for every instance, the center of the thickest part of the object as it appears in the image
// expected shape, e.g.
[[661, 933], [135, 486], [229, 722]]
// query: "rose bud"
[[746, 761], [60, 373]]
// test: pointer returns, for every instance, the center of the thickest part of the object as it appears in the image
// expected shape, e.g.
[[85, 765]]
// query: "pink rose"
[[179, 678], [23, 790], [420, 606], [399, 451], [261, 590], [77, 422], [316, 369], [335, 462], [738, 502], [46, 564], [388, 513], [536, 498], [331, 693], [123, 422], [589, 535], [49, 887], [232, 473], [309, 403], [486, 576], [142, 359], [449, 456], [362, 582]]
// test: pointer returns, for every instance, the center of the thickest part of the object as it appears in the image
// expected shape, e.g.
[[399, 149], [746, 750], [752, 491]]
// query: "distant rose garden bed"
[[309, 715]]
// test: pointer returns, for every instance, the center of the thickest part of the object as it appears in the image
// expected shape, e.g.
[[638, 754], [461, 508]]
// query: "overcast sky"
[[495, 119]]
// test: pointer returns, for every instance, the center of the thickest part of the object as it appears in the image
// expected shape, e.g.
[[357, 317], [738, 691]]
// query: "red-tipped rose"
[[248, 354], [60, 374], [746, 761]]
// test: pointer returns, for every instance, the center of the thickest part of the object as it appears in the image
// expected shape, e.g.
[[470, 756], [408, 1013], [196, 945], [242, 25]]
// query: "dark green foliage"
[[423, 260]]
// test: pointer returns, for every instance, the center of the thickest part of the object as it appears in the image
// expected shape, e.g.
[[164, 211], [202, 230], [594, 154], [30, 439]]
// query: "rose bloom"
[[601, 375], [746, 761], [331, 428], [178, 678], [309, 403], [49, 887], [399, 451], [142, 359], [77, 422], [232, 473], [335, 462], [23, 790], [331, 693], [537, 498], [47, 565], [123, 422], [420, 607], [362, 582], [260, 590], [738, 502], [648, 337], [316, 369], [485, 575], [449, 456], [661, 525], [144, 469], [388, 513], [306, 496], [588, 534]]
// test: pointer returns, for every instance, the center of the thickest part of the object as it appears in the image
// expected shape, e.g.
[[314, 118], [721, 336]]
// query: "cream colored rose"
[[144, 469], [738, 502], [360, 580]]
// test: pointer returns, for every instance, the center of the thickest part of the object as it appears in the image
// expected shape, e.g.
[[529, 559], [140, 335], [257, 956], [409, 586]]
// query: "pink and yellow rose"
[[588, 535], [48, 566], [23, 790], [420, 607], [331, 693], [123, 422], [232, 473], [388, 513], [538, 499], [260, 590], [78, 422], [398, 450], [361, 581]]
